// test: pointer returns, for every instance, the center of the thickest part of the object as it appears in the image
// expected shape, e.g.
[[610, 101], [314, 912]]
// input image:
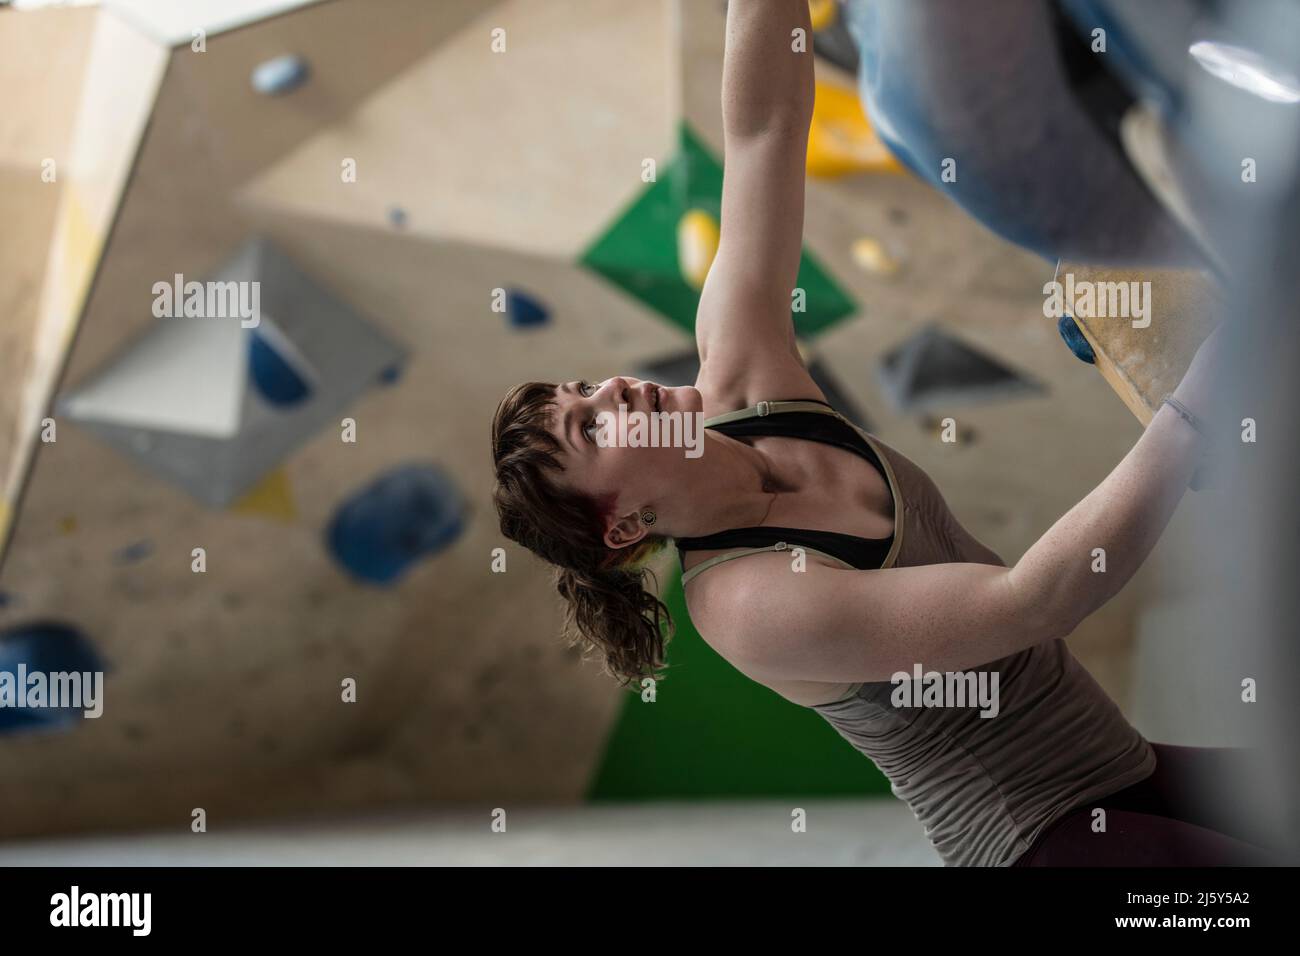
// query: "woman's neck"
[[734, 487]]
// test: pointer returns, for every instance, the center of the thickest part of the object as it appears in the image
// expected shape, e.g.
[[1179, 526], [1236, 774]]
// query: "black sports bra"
[[815, 425]]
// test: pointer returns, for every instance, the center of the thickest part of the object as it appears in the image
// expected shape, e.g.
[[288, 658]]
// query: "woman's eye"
[[586, 430], [585, 386]]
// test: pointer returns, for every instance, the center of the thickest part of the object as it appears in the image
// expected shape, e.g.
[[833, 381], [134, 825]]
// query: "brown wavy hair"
[[608, 610]]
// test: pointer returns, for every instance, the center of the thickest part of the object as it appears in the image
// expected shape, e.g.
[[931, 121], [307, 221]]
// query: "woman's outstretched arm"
[[743, 325], [1126, 513], [828, 624]]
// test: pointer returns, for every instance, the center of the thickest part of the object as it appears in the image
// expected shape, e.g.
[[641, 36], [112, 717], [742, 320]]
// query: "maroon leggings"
[[1168, 819]]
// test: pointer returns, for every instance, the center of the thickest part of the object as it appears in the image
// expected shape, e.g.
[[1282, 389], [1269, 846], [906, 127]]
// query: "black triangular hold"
[[933, 369]]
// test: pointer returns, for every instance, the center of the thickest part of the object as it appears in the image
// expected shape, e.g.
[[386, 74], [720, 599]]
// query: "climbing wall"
[[329, 559], [65, 162]]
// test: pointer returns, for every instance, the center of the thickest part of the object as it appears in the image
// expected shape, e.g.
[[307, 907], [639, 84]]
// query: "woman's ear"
[[625, 531]]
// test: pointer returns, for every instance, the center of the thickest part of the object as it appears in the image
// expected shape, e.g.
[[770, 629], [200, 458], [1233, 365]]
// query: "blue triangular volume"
[[525, 311]]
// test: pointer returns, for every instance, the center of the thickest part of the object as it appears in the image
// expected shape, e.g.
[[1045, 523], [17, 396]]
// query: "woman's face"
[[603, 463]]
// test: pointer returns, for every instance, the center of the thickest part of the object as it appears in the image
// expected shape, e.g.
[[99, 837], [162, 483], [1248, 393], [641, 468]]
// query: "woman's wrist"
[[1185, 413], [1185, 431]]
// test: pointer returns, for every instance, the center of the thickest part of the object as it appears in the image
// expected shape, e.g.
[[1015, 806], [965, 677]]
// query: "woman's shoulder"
[[728, 591], [741, 595], [728, 603]]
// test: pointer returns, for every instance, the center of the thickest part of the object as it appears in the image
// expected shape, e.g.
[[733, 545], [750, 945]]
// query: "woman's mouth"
[[655, 398]]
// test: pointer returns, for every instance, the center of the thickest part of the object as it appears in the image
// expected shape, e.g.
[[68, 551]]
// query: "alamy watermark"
[[651, 430], [56, 690], [133, 911], [209, 300], [947, 689], [1098, 300]]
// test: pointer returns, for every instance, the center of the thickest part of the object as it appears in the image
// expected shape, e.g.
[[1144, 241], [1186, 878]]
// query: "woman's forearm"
[[766, 82], [1124, 516]]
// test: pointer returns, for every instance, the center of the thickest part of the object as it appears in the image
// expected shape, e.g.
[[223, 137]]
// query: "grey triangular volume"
[[302, 359], [684, 369], [933, 369], [181, 375]]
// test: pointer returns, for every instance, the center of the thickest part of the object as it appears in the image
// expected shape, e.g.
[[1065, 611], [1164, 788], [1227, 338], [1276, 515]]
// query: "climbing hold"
[[935, 370], [272, 497], [277, 381], [266, 387], [1075, 339], [638, 253], [840, 140], [833, 42], [31, 655], [135, 552], [397, 216], [873, 256], [697, 243], [822, 13], [409, 513], [280, 75], [523, 311]]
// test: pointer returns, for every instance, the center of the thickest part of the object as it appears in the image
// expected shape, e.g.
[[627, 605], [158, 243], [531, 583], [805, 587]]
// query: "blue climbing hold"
[[282, 74], [134, 552], [408, 514], [276, 380], [1074, 338], [524, 311], [32, 656]]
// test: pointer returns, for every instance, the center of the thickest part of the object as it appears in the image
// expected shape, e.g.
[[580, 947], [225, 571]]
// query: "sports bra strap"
[[745, 552], [763, 409]]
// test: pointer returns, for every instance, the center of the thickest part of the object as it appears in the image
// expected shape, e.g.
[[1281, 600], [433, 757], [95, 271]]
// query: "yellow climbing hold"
[[822, 13], [840, 140], [697, 244], [272, 497], [872, 256]]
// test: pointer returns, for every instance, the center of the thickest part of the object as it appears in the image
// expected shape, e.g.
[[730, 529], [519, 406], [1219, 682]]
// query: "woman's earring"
[[648, 517]]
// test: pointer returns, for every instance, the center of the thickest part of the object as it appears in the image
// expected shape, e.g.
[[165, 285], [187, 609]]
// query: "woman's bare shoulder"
[[733, 602], [732, 611]]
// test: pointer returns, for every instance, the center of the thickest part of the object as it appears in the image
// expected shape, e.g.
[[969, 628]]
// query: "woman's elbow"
[[1046, 612]]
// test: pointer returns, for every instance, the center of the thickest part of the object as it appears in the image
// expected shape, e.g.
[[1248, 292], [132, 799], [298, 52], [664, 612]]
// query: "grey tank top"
[[984, 788]]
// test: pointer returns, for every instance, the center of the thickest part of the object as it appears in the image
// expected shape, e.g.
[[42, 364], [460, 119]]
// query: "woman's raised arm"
[[743, 324]]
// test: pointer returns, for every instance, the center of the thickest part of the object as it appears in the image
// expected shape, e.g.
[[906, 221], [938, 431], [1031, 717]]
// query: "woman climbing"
[[820, 562]]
